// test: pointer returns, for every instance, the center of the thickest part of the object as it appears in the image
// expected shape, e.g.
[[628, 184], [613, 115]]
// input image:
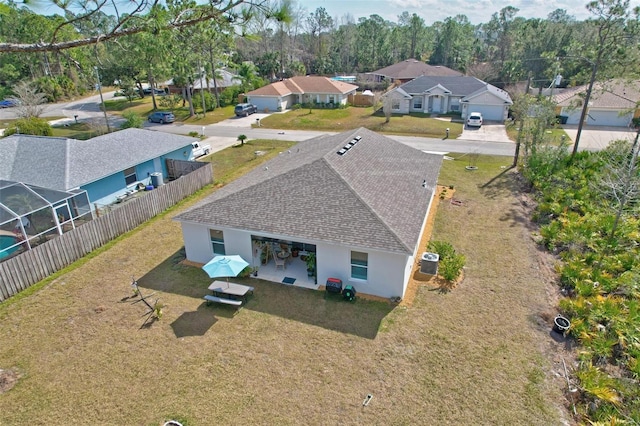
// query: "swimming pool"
[[6, 241]]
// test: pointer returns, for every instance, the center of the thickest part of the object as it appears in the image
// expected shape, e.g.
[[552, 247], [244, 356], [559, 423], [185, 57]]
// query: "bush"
[[451, 263], [132, 120], [29, 126]]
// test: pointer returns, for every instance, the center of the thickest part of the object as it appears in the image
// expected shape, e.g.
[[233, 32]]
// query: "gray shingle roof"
[[458, 86], [371, 197], [64, 164]]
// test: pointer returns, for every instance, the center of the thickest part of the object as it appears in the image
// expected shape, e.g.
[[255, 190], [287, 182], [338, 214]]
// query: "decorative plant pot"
[[294, 253], [561, 324]]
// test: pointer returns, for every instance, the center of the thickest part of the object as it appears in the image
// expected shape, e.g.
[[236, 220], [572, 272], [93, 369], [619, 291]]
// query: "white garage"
[[600, 117], [612, 103], [489, 112]]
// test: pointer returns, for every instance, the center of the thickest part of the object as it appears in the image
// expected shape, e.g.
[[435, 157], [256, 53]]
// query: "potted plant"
[[311, 264]]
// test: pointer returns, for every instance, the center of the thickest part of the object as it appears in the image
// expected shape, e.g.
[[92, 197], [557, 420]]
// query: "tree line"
[[268, 40]]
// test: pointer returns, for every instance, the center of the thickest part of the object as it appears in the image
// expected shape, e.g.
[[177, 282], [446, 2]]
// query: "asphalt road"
[[230, 135], [225, 134]]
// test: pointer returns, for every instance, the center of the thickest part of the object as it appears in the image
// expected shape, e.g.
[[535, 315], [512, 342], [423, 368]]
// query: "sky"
[[477, 11]]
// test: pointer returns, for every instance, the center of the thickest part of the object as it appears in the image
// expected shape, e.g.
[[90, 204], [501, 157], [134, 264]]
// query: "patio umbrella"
[[225, 266]]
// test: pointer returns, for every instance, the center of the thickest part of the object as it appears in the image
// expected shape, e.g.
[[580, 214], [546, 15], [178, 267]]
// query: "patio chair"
[[279, 262]]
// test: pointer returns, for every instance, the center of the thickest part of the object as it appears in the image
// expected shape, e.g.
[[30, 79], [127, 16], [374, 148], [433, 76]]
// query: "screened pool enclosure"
[[30, 215]]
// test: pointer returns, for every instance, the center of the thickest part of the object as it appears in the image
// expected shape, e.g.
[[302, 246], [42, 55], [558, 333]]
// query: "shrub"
[[451, 263], [132, 120], [29, 126]]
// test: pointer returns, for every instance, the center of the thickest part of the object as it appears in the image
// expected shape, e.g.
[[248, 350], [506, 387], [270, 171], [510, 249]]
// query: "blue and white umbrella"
[[225, 266]]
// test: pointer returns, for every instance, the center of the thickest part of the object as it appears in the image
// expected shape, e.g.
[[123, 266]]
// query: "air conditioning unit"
[[429, 263]]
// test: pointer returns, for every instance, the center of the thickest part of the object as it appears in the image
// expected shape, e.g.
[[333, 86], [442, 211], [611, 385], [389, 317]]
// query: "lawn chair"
[[279, 261]]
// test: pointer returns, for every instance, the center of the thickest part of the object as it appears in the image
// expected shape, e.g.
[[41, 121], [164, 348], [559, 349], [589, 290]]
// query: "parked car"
[[147, 91], [162, 117], [243, 110], [8, 103], [474, 119]]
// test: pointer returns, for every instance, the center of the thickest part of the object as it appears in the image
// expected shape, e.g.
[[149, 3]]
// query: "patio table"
[[226, 289]]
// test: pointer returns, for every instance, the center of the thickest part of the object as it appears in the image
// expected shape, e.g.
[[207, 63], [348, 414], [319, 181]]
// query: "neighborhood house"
[[612, 103], [107, 167], [354, 203], [284, 94], [443, 94]]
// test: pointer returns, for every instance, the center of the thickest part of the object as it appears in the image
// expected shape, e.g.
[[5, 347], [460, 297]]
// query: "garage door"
[[573, 114], [489, 112], [608, 118], [599, 117], [264, 104]]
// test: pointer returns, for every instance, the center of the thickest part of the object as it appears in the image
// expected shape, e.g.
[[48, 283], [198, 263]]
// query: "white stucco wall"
[[386, 276], [385, 272]]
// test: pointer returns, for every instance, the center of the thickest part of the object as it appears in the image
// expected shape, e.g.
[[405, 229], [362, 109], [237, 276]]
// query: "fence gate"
[[177, 168]]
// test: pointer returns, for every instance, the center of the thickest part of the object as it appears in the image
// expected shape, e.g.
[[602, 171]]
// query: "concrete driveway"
[[243, 122], [595, 138], [487, 132]]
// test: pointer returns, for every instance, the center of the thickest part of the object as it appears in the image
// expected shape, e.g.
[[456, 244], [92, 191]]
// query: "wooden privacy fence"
[[26, 269]]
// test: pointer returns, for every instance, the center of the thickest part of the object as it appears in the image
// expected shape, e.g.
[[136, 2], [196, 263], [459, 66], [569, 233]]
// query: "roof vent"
[[349, 145]]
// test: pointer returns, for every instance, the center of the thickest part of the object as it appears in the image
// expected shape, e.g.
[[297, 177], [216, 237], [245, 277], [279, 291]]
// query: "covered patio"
[[291, 259]]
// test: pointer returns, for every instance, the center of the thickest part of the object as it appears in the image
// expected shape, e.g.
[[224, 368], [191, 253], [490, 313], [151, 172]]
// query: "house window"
[[359, 265], [332, 99], [130, 175], [417, 103], [217, 241], [395, 104], [455, 107]]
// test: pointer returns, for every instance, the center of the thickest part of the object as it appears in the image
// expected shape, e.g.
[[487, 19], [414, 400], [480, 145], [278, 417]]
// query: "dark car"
[[147, 91], [162, 117], [243, 110], [8, 103]]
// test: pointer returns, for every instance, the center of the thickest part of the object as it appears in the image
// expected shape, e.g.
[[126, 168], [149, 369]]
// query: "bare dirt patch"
[[8, 379]]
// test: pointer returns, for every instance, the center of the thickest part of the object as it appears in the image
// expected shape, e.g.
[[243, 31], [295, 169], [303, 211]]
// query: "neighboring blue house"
[[107, 166]]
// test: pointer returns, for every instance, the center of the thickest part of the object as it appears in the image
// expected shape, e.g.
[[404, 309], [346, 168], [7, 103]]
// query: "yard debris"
[[456, 202], [367, 400]]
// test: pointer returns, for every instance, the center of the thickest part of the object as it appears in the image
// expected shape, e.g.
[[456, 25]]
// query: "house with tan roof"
[[409, 69], [612, 103], [356, 201], [284, 94]]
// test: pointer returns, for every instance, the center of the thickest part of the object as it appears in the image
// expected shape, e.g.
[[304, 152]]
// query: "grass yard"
[[338, 120], [144, 106], [554, 134], [474, 355]]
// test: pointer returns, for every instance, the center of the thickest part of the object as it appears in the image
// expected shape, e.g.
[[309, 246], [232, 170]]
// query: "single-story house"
[[409, 69], [284, 94], [106, 166], [612, 103], [451, 94], [223, 80], [358, 200]]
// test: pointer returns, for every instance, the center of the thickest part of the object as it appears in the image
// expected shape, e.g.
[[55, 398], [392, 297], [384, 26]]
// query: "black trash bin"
[[349, 293]]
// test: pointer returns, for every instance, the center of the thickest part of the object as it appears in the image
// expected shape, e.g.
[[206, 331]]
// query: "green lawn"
[[290, 356], [144, 106], [353, 117], [554, 134]]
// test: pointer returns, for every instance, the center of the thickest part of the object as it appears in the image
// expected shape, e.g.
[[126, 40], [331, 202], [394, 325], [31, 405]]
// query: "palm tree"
[[241, 139]]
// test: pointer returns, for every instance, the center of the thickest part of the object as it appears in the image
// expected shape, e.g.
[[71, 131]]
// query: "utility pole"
[[106, 118], [204, 107]]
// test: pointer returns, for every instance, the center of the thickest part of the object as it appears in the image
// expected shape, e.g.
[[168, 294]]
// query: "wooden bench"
[[213, 299]]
